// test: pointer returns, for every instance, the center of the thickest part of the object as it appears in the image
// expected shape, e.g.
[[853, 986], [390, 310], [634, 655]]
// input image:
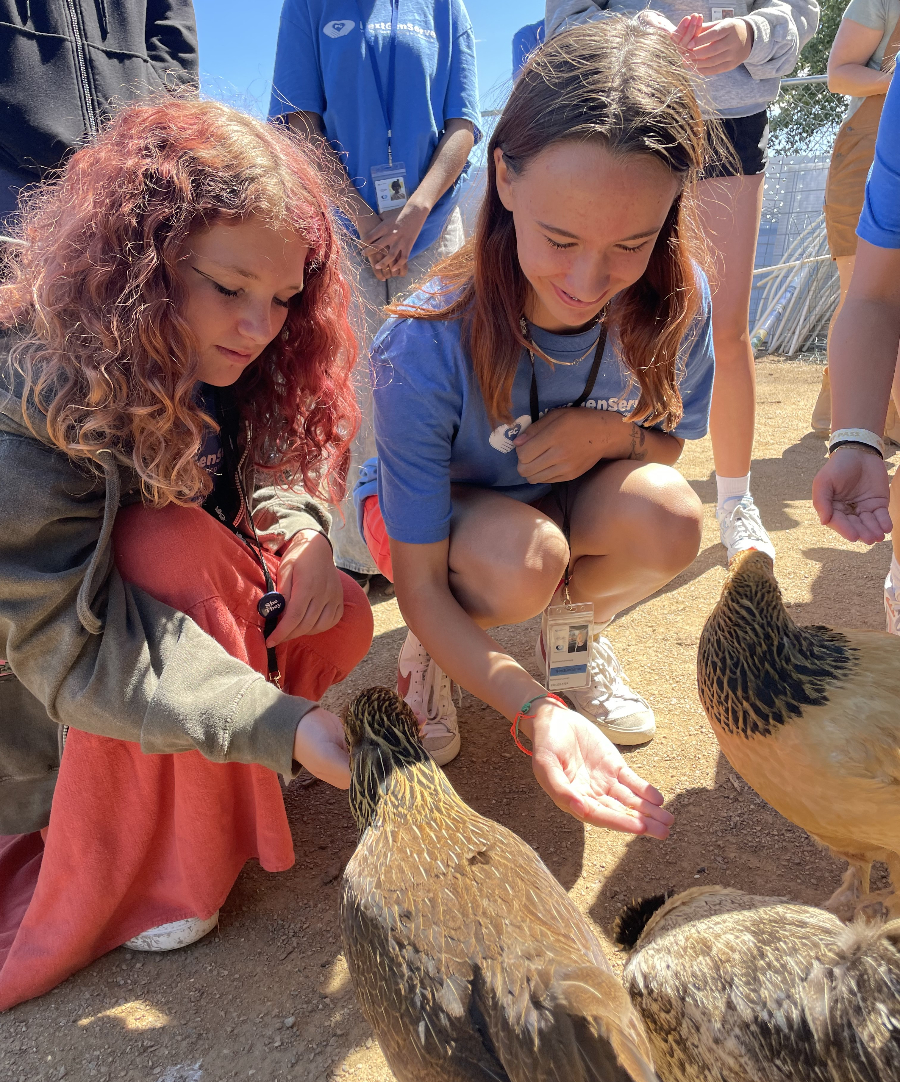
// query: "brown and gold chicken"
[[469, 960], [738, 988], [810, 718]]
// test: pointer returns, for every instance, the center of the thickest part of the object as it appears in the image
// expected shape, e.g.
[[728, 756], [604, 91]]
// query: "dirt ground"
[[268, 997]]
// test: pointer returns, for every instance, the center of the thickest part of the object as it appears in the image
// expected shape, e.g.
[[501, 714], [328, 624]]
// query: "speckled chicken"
[[810, 717], [469, 960], [737, 988]]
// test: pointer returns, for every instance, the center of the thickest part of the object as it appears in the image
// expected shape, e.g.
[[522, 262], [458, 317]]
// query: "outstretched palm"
[[851, 495], [586, 776]]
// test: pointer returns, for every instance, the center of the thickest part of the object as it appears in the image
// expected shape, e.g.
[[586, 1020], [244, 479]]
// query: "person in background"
[[525, 41], [852, 493], [389, 88], [175, 388], [742, 51], [859, 65], [68, 63]]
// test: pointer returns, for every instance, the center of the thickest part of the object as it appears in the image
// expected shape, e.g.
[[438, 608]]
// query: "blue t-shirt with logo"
[[322, 66], [432, 428]]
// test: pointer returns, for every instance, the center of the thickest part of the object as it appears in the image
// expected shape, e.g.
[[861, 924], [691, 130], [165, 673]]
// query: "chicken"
[[810, 718], [469, 960], [737, 988]]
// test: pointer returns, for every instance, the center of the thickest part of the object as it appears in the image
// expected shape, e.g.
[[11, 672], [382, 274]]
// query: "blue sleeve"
[[879, 222], [418, 403], [696, 383], [461, 101], [297, 81]]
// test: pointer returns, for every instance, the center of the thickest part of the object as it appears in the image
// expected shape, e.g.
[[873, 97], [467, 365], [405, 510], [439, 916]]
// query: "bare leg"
[[730, 211], [634, 528]]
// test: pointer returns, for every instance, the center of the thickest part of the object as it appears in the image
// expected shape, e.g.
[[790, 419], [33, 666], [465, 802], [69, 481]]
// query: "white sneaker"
[[429, 691], [610, 702], [169, 937], [740, 528], [891, 607]]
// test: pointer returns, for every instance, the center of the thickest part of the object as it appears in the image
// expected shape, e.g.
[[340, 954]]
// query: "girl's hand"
[[851, 495], [721, 46], [566, 443], [320, 746], [683, 35], [397, 234], [312, 585], [586, 776]]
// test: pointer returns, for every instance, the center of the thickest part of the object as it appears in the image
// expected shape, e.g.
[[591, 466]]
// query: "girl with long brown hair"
[[175, 365], [580, 289]]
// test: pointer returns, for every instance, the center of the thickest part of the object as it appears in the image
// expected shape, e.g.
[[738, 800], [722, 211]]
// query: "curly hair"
[[106, 354]]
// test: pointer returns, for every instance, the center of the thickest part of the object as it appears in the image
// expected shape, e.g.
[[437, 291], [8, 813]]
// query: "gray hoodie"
[[100, 654], [780, 30]]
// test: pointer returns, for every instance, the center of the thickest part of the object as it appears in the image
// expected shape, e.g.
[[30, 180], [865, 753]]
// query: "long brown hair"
[[624, 85], [107, 355]]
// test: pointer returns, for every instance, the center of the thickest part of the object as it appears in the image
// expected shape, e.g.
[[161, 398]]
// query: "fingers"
[[641, 789]]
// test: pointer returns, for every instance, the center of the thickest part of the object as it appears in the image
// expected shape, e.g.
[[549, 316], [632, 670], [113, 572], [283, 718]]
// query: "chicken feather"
[[810, 718], [470, 961]]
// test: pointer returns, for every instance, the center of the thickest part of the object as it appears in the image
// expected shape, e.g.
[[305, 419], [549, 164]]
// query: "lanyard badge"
[[389, 180], [567, 632]]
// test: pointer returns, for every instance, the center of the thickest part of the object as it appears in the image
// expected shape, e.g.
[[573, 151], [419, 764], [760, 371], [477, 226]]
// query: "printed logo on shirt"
[[211, 462], [422, 31], [501, 439], [340, 28]]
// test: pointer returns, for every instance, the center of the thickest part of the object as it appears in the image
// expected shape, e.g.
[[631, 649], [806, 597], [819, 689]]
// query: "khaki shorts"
[[845, 187]]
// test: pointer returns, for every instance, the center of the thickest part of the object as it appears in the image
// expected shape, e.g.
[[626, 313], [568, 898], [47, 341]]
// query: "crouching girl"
[[174, 380], [532, 400]]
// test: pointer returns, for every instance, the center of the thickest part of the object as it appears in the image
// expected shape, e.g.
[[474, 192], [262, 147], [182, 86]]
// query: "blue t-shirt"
[[432, 428], [879, 222], [525, 41], [322, 66]]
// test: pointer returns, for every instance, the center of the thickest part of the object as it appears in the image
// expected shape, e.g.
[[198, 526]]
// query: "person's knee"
[[154, 547], [357, 625], [665, 521], [514, 577]]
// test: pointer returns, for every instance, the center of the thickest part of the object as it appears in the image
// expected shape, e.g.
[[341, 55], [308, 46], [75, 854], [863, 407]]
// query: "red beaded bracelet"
[[523, 713]]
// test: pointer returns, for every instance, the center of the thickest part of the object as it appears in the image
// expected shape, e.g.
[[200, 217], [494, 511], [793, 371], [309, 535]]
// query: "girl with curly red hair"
[[175, 388]]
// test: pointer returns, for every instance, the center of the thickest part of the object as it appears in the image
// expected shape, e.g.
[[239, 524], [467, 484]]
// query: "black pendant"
[[271, 605]]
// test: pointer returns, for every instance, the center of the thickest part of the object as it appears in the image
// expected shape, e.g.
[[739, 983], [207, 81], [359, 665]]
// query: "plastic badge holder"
[[567, 644], [390, 186]]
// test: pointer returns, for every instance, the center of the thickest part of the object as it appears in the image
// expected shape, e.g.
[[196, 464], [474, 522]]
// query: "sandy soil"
[[268, 997]]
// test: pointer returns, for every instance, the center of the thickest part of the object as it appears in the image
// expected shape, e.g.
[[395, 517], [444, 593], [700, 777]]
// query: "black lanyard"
[[272, 603], [561, 489], [589, 385]]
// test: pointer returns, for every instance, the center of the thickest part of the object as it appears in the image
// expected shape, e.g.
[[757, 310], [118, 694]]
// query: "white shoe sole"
[[625, 738], [446, 754], [170, 937]]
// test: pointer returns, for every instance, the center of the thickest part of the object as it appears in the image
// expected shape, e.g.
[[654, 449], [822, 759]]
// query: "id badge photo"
[[718, 14], [390, 186], [568, 632]]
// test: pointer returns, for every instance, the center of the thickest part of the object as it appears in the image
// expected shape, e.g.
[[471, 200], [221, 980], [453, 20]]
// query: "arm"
[[311, 127], [850, 492], [780, 29], [171, 38], [576, 765], [853, 45], [398, 231], [106, 657]]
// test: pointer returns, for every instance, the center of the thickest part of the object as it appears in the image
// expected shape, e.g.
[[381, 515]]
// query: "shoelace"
[[744, 524], [607, 675], [438, 699]]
